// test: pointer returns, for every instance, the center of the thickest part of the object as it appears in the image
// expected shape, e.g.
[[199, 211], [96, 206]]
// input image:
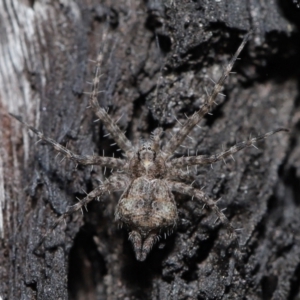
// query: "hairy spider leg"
[[190, 191], [191, 122], [109, 162], [176, 174], [114, 130], [204, 159], [114, 183]]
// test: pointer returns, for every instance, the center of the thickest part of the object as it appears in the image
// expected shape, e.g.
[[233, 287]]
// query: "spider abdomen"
[[147, 206]]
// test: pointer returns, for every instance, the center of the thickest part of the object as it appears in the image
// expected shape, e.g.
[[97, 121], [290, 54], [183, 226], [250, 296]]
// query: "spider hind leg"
[[199, 194]]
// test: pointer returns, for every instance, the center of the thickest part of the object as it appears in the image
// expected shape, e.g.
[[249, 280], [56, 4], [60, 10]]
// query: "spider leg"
[[204, 159], [110, 162], [101, 113], [176, 173], [155, 137], [188, 190], [112, 184], [191, 122]]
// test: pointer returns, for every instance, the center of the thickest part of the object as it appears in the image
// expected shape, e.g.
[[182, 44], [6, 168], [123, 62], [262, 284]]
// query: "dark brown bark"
[[156, 69]]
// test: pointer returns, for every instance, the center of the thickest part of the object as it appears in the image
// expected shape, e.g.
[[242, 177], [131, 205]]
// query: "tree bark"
[[160, 58]]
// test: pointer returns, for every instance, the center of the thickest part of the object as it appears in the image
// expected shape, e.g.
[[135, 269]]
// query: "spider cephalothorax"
[[149, 175], [148, 159]]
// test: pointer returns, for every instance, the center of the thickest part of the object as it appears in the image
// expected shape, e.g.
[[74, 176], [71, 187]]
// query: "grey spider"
[[147, 206]]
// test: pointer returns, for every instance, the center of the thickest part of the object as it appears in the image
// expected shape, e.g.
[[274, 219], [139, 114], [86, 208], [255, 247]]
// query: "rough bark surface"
[[160, 57]]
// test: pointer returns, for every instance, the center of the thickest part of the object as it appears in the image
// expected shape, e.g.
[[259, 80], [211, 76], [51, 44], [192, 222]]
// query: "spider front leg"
[[113, 129], [183, 132], [114, 183], [188, 190], [204, 159], [109, 162]]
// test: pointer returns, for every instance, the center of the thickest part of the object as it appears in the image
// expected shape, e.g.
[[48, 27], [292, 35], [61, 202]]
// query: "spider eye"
[[149, 148]]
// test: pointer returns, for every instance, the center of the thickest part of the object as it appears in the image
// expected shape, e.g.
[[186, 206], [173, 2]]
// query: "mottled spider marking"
[[147, 207], [150, 174]]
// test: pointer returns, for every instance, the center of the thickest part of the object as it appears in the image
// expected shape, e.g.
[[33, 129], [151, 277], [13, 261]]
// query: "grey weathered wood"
[[157, 66]]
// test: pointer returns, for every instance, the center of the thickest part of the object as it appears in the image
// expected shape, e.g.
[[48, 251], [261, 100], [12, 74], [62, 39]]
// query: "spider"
[[150, 173]]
